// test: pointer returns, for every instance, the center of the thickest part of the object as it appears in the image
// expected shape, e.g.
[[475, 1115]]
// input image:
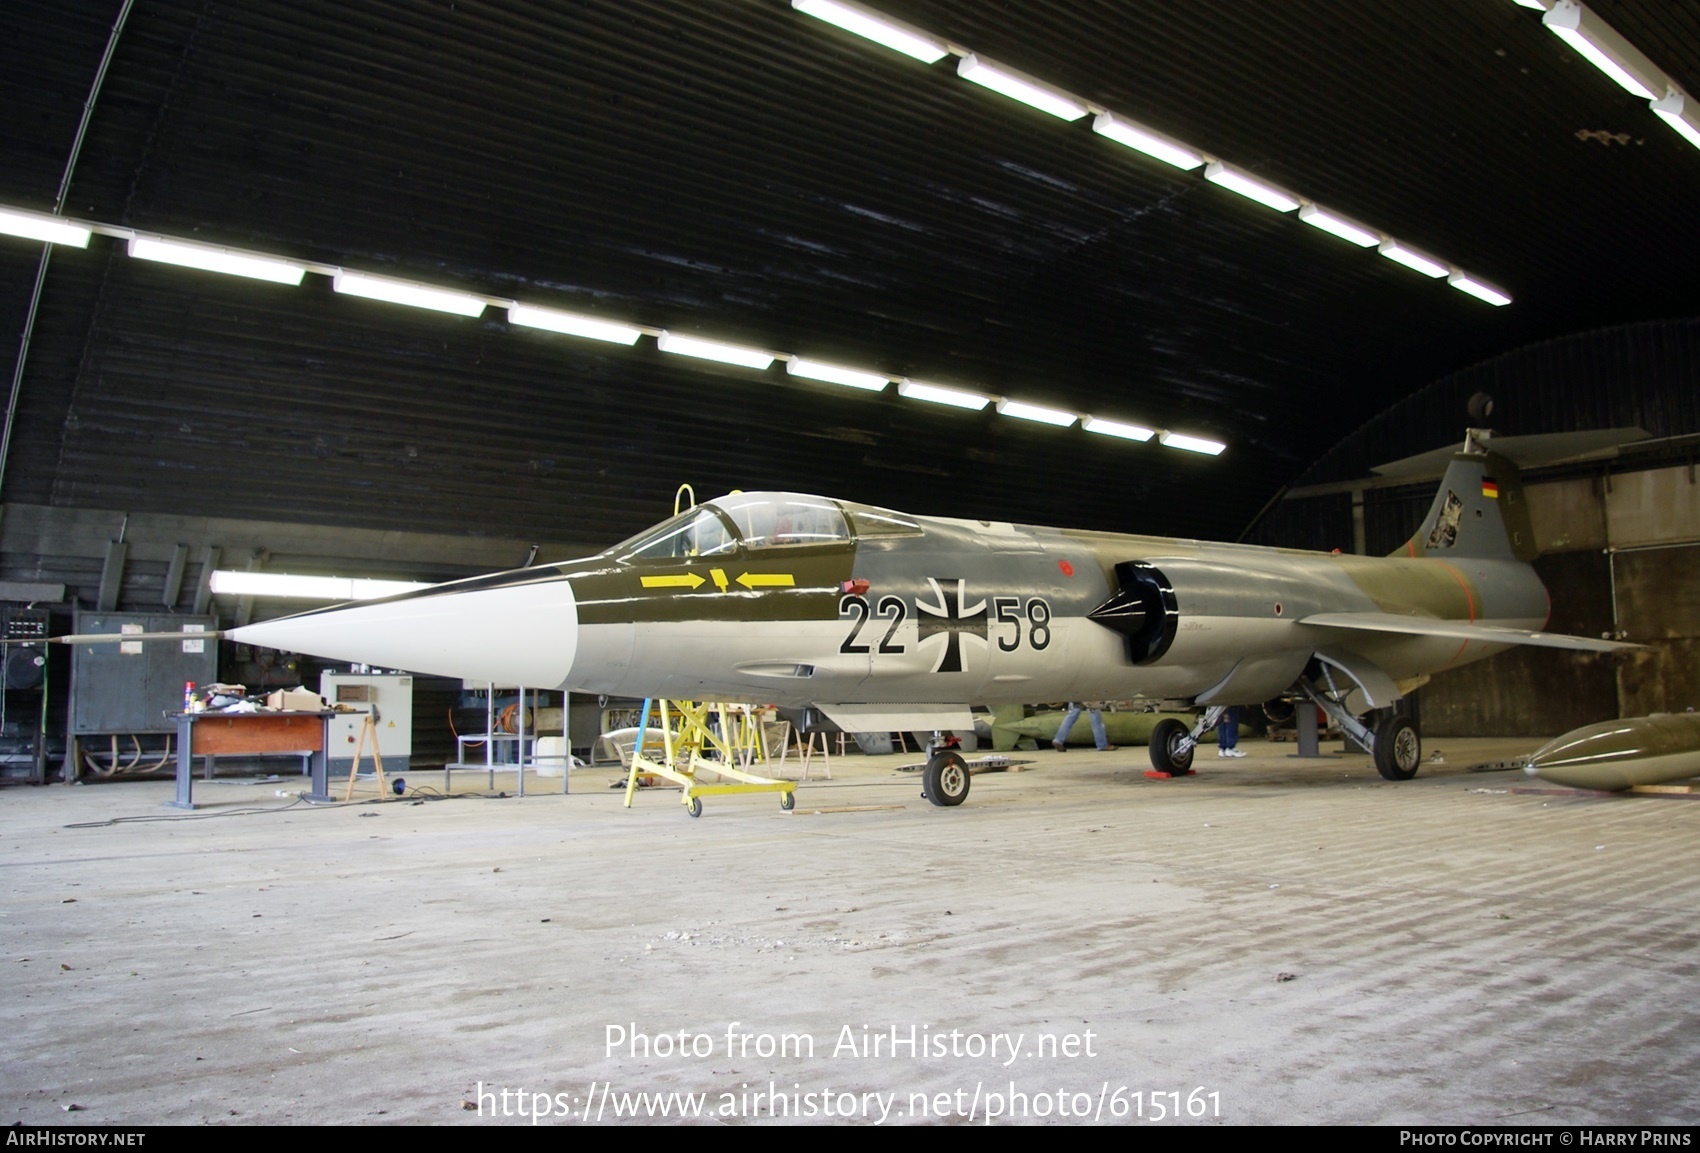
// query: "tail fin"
[[1480, 510]]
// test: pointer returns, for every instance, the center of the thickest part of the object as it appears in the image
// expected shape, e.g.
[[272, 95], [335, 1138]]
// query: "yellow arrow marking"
[[719, 575], [754, 580], [688, 580]]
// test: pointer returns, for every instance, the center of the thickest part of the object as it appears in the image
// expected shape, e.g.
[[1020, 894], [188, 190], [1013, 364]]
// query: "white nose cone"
[[521, 631]]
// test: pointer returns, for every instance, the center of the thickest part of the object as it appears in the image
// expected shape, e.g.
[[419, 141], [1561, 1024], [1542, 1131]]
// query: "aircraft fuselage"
[[800, 600]]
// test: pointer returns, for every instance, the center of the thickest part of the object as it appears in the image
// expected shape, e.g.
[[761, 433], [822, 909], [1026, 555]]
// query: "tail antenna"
[[1480, 408]]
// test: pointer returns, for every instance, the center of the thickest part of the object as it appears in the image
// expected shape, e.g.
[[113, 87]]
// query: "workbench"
[[213, 735]]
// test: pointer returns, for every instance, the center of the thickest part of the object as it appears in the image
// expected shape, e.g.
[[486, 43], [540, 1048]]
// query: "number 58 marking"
[[1006, 611]]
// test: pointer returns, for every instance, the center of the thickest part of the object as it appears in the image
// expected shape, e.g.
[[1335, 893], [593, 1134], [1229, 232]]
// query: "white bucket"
[[549, 756]]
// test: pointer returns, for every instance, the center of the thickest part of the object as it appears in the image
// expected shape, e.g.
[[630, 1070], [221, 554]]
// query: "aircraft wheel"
[[1166, 753], [944, 781], [694, 807], [1398, 748], [787, 801]]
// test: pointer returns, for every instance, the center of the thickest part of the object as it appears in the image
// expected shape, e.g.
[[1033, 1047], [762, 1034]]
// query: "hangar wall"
[[1618, 554]]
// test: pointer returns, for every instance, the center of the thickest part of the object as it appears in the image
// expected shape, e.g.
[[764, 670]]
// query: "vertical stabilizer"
[[1479, 511]]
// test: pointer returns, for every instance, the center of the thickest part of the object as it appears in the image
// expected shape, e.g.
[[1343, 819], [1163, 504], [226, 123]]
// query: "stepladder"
[[368, 731]]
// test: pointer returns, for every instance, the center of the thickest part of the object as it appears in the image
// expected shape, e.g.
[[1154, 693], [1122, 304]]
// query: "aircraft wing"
[[1463, 630]]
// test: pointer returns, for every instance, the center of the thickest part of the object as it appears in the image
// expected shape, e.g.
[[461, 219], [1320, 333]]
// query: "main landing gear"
[[1398, 748], [1393, 742]]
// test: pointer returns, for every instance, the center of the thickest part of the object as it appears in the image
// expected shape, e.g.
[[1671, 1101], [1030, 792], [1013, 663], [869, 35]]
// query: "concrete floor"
[[1270, 941]]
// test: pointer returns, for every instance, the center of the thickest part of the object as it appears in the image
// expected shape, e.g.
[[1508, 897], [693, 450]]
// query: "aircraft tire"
[[944, 781], [1398, 748], [1166, 756]]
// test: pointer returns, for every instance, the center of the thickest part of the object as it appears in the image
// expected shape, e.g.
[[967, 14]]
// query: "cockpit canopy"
[[755, 520]]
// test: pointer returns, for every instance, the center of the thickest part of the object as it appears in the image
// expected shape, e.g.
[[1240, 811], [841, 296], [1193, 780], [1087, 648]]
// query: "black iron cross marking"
[[952, 618]]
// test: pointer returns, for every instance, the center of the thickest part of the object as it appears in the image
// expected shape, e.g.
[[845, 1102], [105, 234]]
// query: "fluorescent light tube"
[[209, 258], [1117, 428], [713, 350], [1146, 141], [1319, 217], [366, 589], [1236, 181], [1478, 289], [835, 374], [230, 582], [1605, 48], [406, 292], [1673, 109], [1537, 5], [915, 390], [1025, 411], [1020, 86], [1411, 258], [40, 226], [871, 25], [1191, 443], [572, 324]]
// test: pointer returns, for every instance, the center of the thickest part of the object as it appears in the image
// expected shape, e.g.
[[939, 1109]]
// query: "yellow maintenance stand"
[[737, 740]]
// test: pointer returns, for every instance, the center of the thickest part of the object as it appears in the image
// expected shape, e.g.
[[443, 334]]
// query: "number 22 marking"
[[890, 608]]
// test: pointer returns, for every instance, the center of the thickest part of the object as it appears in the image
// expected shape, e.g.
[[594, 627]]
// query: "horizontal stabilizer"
[[1524, 451], [1462, 630]]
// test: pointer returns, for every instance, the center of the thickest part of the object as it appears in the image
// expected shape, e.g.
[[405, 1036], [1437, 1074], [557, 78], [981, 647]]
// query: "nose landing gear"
[[944, 781]]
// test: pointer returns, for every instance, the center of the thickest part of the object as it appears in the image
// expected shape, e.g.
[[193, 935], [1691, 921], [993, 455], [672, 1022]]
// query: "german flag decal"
[[1490, 488]]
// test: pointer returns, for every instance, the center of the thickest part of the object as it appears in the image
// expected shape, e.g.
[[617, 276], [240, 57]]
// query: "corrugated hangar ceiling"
[[733, 169]]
